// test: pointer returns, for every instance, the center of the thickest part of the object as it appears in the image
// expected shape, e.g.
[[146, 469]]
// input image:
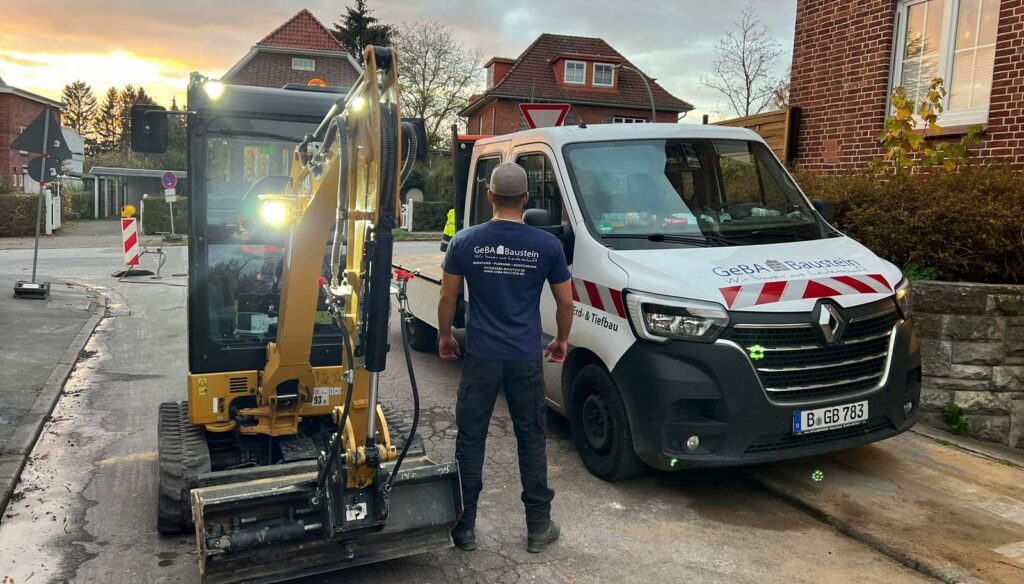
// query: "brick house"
[[567, 69], [299, 50], [848, 56], [17, 110]]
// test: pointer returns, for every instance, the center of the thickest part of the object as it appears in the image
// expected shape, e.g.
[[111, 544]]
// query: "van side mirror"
[[537, 217], [824, 208], [149, 128]]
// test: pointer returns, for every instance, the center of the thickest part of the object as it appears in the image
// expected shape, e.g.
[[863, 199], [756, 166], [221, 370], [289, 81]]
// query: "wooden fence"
[[778, 128]]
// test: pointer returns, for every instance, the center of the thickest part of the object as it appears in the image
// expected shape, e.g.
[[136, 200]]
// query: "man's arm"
[[559, 346], [451, 287]]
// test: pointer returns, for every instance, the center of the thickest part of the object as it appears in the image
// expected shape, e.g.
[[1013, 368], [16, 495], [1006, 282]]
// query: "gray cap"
[[508, 179]]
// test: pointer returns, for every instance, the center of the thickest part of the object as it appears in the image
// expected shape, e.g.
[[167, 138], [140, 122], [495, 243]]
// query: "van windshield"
[[701, 192]]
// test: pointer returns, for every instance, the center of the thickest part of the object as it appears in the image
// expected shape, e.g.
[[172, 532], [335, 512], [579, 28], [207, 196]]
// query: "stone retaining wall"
[[972, 353]]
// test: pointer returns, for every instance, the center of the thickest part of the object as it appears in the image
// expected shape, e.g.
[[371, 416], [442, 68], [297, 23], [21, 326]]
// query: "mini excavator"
[[284, 459]]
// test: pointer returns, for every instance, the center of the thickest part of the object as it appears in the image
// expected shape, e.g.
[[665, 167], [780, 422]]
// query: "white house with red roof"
[[300, 50]]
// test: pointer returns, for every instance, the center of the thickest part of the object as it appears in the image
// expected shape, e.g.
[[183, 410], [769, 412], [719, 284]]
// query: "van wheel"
[[600, 426], [422, 336]]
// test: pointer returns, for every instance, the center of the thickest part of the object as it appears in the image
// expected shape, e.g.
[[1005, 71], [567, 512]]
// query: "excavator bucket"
[[265, 530]]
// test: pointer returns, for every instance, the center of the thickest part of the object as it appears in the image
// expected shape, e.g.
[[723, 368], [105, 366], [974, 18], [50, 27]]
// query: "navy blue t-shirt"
[[506, 265]]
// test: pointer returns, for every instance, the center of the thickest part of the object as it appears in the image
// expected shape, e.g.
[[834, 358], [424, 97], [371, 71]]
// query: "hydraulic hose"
[[407, 350]]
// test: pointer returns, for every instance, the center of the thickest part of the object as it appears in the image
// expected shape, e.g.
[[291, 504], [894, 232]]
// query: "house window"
[[628, 120], [604, 75], [490, 76], [952, 39], [21, 129], [299, 64], [575, 72]]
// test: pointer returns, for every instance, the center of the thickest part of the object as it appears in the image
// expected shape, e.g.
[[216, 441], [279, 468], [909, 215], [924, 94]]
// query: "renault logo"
[[831, 323]]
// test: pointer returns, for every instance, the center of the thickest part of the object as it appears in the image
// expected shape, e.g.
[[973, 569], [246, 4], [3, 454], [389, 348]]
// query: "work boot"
[[538, 542], [464, 538]]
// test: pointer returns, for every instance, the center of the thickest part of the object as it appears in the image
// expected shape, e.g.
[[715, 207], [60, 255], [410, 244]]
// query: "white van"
[[720, 319]]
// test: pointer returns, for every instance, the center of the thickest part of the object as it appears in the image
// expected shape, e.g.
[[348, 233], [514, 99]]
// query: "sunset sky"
[[44, 45]]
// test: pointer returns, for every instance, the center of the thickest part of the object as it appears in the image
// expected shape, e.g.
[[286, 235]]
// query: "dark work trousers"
[[523, 381]]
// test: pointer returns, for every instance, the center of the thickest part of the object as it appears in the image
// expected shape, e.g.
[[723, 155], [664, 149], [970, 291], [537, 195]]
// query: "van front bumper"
[[712, 391]]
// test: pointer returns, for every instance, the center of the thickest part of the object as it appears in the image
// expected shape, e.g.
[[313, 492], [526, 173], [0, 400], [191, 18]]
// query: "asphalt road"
[[87, 508]]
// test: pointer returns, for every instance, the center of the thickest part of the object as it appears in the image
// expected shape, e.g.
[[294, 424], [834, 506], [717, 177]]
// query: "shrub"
[[429, 216], [18, 215], [77, 204], [156, 216], [956, 226]]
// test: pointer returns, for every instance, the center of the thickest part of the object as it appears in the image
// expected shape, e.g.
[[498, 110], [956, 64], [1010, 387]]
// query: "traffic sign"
[[39, 174], [544, 115], [169, 180], [32, 139], [170, 195]]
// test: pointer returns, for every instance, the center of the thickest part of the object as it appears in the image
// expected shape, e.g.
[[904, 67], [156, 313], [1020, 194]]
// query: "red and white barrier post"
[[130, 239]]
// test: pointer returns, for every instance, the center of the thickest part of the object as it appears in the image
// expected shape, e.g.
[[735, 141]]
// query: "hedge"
[[964, 226], [77, 205], [429, 216], [18, 215], [156, 216]]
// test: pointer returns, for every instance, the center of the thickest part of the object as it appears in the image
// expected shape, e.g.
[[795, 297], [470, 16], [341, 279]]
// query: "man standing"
[[505, 264]]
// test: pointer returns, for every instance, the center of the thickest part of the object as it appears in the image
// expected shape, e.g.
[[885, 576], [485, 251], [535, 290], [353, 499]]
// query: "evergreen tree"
[[107, 127], [79, 108], [358, 28]]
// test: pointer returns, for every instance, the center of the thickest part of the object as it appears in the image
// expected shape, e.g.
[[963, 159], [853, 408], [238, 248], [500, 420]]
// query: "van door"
[[546, 192]]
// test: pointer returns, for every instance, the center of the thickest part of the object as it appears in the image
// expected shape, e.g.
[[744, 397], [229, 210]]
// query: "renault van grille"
[[798, 365]]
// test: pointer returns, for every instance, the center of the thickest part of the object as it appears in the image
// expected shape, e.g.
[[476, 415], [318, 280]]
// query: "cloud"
[[671, 41]]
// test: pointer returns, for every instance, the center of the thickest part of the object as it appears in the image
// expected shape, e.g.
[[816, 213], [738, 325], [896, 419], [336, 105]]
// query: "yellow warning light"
[[128, 211]]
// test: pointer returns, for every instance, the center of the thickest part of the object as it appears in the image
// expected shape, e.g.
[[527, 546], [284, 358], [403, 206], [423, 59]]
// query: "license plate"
[[32, 286], [830, 418]]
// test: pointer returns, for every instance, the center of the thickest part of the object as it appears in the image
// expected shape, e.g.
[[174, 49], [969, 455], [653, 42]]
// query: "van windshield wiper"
[[777, 233], [702, 240]]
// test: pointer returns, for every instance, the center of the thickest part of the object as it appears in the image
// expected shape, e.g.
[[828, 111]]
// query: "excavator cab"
[[282, 459]]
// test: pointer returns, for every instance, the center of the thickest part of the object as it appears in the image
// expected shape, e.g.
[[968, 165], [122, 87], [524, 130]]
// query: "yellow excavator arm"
[[364, 502]]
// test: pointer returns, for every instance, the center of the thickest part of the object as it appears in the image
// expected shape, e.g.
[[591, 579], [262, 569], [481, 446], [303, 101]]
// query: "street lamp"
[[646, 84]]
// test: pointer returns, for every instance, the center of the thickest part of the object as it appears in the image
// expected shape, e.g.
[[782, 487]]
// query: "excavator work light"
[[214, 89], [273, 213]]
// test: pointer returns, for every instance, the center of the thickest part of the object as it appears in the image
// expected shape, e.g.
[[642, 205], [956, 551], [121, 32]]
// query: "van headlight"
[[663, 318], [904, 298]]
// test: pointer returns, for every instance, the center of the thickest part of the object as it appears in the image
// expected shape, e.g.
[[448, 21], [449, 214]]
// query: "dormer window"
[[604, 75], [575, 72], [490, 76]]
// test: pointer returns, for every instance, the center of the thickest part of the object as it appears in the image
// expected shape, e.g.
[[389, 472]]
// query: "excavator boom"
[[363, 499]]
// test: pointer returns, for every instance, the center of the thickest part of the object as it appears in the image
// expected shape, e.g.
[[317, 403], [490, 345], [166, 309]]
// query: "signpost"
[[169, 180], [544, 115], [42, 136]]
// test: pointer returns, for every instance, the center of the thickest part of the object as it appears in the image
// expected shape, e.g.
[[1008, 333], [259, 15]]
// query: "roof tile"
[[302, 31]]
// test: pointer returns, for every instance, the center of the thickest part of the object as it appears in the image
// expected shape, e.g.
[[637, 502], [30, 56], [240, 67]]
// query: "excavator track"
[[183, 454]]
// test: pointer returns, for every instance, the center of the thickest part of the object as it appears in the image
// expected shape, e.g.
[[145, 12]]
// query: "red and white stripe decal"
[[130, 239], [598, 296], [750, 295]]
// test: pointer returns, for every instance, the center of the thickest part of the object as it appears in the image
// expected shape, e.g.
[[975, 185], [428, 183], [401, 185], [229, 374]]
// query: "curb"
[[939, 570], [24, 438]]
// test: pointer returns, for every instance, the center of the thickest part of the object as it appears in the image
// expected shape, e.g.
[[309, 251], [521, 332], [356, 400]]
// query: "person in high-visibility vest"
[[449, 230]]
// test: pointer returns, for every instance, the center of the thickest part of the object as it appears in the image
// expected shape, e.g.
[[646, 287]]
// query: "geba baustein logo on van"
[[771, 266], [831, 323], [502, 250]]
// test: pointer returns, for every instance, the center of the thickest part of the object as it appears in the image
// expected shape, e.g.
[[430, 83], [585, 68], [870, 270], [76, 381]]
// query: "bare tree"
[[742, 71], [438, 74]]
